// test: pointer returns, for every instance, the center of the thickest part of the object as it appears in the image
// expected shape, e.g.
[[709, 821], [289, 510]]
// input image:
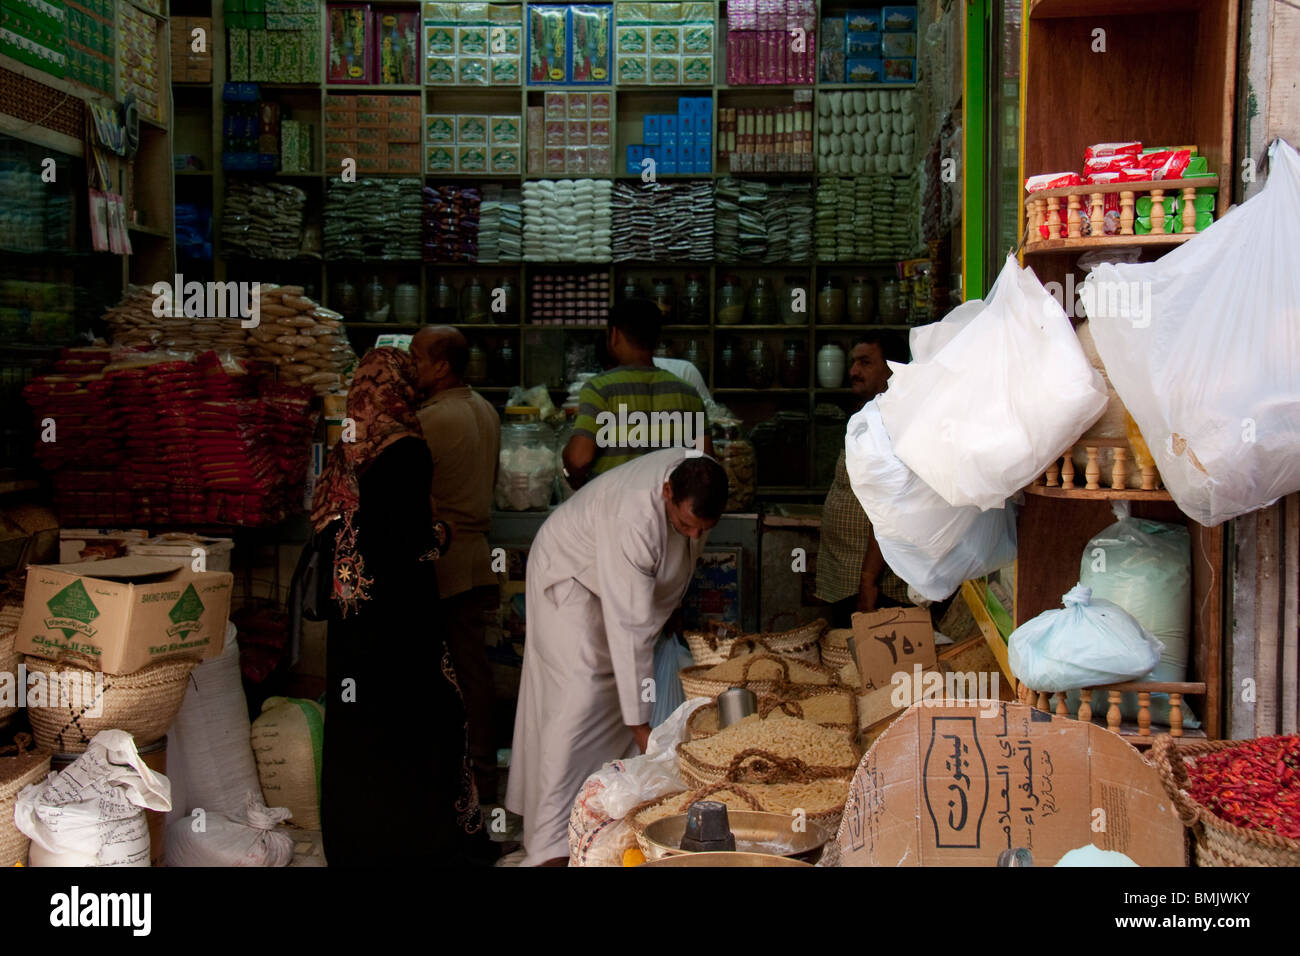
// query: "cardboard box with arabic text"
[[958, 783], [124, 614]]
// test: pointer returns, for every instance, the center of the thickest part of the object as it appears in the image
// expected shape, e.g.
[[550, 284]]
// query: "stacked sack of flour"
[[865, 131], [305, 340], [133, 322]]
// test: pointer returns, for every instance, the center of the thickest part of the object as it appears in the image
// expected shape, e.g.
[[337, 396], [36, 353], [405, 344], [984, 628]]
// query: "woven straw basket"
[[704, 721], [10, 615], [143, 704], [754, 766], [721, 642], [713, 644], [835, 647], [20, 765], [1218, 843], [695, 684]]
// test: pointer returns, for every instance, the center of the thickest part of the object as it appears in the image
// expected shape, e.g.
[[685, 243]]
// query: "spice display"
[[866, 217], [373, 219], [452, 223], [762, 221], [693, 307], [1255, 785], [380, 133], [568, 299], [473, 44], [865, 131], [664, 43], [759, 42], [659, 221], [767, 669], [770, 139], [567, 220], [815, 797], [263, 220]]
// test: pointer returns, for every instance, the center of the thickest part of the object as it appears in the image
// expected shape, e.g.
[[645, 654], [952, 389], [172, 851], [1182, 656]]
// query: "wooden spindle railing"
[[1078, 212], [1056, 703]]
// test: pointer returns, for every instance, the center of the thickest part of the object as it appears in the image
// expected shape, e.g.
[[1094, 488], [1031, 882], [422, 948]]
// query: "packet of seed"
[[591, 37], [547, 41]]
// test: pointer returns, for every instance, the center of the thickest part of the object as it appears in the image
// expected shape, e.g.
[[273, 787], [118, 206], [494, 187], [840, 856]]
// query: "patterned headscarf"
[[381, 404]]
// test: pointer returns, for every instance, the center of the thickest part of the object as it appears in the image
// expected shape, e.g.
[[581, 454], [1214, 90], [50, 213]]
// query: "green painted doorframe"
[[975, 149]]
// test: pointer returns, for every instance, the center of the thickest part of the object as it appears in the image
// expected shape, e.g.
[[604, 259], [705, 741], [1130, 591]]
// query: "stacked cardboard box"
[[274, 41], [296, 142], [139, 66], [90, 43], [680, 143], [473, 143], [664, 43], [191, 51], [382, 133], [770, 139], [32, 32], [473, 44], [571, 134]]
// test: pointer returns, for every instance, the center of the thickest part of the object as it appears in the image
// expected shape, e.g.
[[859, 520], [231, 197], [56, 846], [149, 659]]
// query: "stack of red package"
[[71, 412]]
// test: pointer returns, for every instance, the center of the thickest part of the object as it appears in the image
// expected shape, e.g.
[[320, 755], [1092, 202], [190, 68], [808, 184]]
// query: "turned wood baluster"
[[1067, 470], [1112, 712], [1148, 476], [1024, 694], [1119, 470], [1175, 715], [1097, 215], [1189, 209], [1085, 705], [1093, 471], [1053, 477], [1061, 709], [1035, 220], [1144, 713], [1053, 217], [1043, 703], [1072, 218], [1126, 213], [1157, 212]]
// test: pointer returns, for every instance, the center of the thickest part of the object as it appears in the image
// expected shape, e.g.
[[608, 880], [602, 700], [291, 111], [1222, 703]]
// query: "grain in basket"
[[777, 734], [734, 670]]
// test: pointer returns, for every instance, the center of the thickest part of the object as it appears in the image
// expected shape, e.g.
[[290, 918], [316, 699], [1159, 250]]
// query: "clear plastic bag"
[[985, 412], [1203, 346], [1085, 644], [927, 542]]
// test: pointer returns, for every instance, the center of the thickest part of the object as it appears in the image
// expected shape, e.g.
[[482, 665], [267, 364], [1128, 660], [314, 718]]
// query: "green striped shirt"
[[631, 410]]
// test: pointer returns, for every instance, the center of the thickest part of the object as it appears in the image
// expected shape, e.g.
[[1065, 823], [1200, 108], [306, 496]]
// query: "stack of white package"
[[568, 220], [865, 131]]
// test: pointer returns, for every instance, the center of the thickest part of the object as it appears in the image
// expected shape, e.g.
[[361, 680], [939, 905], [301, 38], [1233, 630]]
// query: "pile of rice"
[[818, 797], [767, 669], [778, 734]]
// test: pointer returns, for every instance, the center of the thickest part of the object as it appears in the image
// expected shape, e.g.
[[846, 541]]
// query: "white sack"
[[927, 542], [92, 813], [1206, 352], [988, 412], [248, 838]]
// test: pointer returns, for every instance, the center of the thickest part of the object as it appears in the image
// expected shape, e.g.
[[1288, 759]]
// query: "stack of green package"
[[1198, 168], [274, 41]]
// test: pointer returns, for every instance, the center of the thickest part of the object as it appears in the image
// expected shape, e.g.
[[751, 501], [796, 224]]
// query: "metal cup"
[[734, 705]]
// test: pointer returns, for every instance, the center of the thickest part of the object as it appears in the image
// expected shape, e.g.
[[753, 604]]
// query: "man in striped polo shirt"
[[634, 407]]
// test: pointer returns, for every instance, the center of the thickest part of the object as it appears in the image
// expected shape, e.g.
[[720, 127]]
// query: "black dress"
[[394, 788]]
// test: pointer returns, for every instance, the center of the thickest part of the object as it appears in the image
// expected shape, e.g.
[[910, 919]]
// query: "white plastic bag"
[[598, 834], [990, 408], [927, 542], [1203, 346], [92, 813], [1086, 644], [249, 838]]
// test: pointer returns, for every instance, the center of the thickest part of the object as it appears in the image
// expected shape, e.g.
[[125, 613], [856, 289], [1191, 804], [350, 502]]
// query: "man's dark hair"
[[892, 347], [639, 320], [452, 348], [702, 482]]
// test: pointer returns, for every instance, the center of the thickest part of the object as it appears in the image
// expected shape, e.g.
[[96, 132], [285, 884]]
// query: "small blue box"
[[864, 21], [686, 141], [898, 19], [704, 107], [704, 155], [668, 164], [650, 129], [634, 156], [668, 125], [686, 105], [862, 45], [861, 70], [686, 124]]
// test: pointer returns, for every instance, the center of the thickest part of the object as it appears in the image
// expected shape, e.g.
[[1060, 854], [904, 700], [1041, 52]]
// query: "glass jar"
[[695, 300], [631, 290], [510, 292], [527, 463], [731, 301], [830, 366], [760, 369], [664, 295], [444, 302], [377, 305], [794, 365], [476, 371], [762, 302], [345, 300], [890, 311], [736, 455], [475, 304], [861, 308], [696, 355], [795, 293], [406, 303], [830, 302], [501, 365], [730, 365]]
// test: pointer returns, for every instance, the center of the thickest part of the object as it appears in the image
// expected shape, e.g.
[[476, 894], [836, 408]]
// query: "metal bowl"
[[766, 834], [726, 859]]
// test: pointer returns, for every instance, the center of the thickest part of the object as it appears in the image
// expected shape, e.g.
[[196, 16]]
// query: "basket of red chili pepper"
[[1241, 798]]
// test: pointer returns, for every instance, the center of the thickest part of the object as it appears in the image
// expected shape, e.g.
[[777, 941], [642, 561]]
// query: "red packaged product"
[[1166, 163], [1051, 181], [1134, 174], [1111, 149]]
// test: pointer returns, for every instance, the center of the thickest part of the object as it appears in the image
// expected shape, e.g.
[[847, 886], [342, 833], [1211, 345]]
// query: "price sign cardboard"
[[891, 640]]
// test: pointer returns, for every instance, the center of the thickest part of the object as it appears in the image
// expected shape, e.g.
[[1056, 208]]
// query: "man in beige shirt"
[[464, 436]]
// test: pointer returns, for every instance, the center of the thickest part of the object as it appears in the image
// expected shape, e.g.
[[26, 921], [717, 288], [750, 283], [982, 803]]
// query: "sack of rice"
[[287, 740], [248, 838], [775, 748]]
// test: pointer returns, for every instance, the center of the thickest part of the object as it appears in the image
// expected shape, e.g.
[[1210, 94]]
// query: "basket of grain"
[[1257, 787], [773, 749], [20, 765], [835, 647], [763, 673], [142, 703], [802, 643], [713, 644], [641, 816], [833, 707]]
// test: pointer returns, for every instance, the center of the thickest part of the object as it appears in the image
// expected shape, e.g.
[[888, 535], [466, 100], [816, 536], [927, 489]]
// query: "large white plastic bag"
[[1145, 567], [92, 813], [598, 834], [987, 412], [246, 838], [1208, 361], [927, 542], [1085, 644]]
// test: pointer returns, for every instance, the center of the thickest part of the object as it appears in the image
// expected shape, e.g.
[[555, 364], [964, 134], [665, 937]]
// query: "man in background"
[[688, 373], [634, 387], [463, 433], [851, 572]]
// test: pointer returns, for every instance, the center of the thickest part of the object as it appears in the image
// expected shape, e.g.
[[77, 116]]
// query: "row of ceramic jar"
[[762, 303], [754, 364]]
